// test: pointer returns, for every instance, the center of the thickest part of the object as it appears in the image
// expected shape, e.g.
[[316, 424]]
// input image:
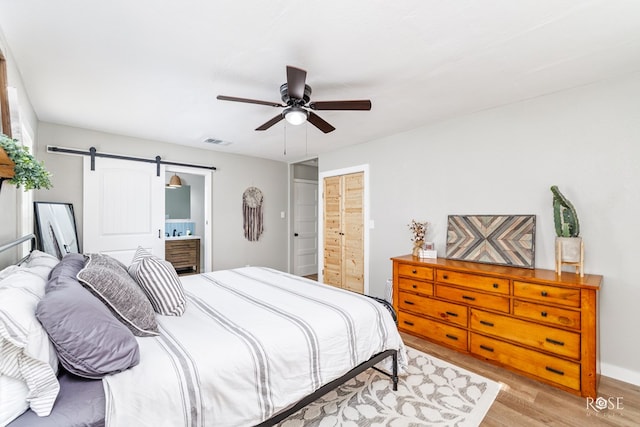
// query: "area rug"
[[431, 393]]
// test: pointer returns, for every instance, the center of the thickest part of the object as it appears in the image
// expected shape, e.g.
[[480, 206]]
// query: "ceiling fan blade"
[[271, 122], [295, 82], [320, 123], [363, 104], [249, 101]]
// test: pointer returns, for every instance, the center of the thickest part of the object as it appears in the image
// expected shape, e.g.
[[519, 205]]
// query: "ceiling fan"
[[296, 95]]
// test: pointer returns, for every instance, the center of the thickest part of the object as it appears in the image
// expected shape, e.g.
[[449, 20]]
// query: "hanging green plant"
[[29, 173]]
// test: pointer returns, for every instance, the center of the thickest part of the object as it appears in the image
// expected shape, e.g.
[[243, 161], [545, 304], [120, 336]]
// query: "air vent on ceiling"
[[216, 141]]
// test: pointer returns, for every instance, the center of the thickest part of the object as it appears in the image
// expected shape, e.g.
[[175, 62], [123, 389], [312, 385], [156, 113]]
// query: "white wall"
[[233, 175], [9, 193], [503, 161]]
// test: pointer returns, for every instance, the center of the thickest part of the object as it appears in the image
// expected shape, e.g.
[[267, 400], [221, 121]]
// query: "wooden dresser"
[[531, 321], [184, 254]]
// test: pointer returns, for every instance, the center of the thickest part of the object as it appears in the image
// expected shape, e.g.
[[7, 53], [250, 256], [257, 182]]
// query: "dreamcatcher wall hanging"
[[252, 213]]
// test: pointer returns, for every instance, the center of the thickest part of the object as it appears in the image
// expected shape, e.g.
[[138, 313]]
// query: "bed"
[[239, 347]]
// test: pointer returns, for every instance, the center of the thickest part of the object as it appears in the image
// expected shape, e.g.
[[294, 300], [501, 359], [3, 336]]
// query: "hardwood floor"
[[526, 402]]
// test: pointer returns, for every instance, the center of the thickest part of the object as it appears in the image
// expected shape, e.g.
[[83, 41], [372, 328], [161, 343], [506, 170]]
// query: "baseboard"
[[618, 373]]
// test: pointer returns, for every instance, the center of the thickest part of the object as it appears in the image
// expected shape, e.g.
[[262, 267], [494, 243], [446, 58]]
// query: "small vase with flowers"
[[418, 231]]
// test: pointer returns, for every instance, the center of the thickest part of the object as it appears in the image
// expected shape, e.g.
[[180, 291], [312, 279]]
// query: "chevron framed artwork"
[[492, 239]]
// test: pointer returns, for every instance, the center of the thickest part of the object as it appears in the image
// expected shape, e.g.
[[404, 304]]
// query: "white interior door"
[[123, 208], [305, 227]]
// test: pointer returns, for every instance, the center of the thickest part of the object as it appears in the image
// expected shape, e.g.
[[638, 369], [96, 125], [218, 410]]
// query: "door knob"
[[295, 234]]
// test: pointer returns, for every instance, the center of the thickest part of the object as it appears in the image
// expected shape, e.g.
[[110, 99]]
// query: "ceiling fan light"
[[295, 115]]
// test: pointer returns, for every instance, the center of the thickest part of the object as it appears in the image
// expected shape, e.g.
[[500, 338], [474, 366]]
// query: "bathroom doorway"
[[196, 219]]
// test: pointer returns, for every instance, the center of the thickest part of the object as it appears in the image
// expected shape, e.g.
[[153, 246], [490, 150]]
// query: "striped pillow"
[[26, 354], [159, 280]]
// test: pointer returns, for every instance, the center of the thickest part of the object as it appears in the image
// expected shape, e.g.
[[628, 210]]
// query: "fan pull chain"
[[285, 139]]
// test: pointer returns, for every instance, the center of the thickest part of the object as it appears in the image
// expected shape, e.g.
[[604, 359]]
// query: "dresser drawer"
[[186, 257], [418, 272], [417, 286], [412, 302], [442, 310], [547, 314], [558, 341], [548, 294], [180, 245], [550, 368], [437, 331], [481, 283], [493, 302]]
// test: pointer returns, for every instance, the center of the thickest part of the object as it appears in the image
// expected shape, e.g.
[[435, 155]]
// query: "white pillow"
[[40, 263], [9, 271], [13, 399], [26, 353], [37, 262]]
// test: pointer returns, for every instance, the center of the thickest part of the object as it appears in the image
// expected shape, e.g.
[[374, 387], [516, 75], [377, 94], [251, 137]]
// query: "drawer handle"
[[444, 276], [452, 337], [496, 286], [555, 371], [414, 286], [543, 314], [406, 322], [484, 322], [468, 297], [549, 340], [409, 302], [543, 293], [450, 313], [484, 347], [414, 271]]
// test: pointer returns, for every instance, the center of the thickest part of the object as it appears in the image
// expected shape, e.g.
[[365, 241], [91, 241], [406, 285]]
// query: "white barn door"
[[123, 208]]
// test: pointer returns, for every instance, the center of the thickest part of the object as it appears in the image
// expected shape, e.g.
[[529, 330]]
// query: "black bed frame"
[[338, 382]]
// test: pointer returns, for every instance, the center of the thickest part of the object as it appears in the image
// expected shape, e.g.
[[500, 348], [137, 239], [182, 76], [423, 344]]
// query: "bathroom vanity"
[[184, 253]]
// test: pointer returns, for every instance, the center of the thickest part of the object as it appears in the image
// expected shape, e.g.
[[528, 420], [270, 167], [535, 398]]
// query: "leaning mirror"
[[56, 228]]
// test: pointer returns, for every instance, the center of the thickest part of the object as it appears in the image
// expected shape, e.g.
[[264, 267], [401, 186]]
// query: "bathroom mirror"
[[56, 228], [177, 202]]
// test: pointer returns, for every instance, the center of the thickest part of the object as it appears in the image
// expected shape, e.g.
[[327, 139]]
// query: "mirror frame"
[[65, 224]]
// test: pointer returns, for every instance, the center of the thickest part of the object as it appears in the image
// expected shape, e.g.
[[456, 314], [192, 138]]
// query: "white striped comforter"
[[252, 342]]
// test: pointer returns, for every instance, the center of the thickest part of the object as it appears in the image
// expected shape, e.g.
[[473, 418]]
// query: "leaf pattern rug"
[[431, 393]]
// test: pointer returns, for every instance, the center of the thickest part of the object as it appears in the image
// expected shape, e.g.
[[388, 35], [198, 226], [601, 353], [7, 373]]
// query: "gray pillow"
[[89, 340], [105, 278]]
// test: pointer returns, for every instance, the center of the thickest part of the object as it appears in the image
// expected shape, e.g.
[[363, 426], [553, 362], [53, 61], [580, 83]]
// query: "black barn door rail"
[[94, 153]]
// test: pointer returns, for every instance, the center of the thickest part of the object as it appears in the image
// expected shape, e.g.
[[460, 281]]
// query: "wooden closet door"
[[344, 231], [332, 221], [353, 233]]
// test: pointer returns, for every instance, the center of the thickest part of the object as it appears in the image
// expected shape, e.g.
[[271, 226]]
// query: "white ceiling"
[[152, 68]]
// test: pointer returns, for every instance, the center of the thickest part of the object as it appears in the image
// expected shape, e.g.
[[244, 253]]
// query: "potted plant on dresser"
[[569, 244]]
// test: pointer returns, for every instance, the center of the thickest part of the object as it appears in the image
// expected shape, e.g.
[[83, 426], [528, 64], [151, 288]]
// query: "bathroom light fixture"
[[295, 115], [175, 181]]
